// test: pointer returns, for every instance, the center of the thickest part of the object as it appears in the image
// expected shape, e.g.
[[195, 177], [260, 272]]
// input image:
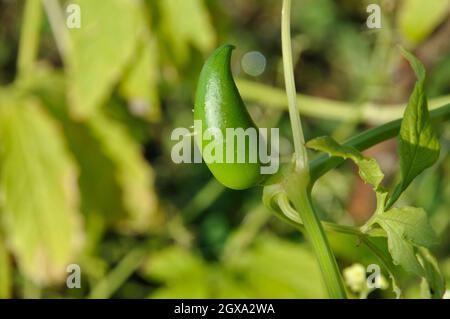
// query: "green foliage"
[[405, 227], [115, 181], [80, 177], [299, 277], [77, 118], [418, 143], [100, 51], [140, 84], [369, 170], [185, 274], [38, 179], [433, 283], [417, 18], [131, 172], [181, 31]]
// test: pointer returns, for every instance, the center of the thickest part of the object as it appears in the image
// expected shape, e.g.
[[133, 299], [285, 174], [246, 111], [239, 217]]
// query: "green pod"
[[218, 105]]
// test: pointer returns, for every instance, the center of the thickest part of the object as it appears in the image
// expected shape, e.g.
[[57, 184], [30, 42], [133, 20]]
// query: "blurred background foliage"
[[86, 175]]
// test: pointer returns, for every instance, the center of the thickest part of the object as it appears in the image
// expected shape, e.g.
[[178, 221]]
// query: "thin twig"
[[29, 37], [60, 34]]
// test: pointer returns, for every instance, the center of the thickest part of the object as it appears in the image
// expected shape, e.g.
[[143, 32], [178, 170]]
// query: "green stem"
[[381, 255], [324, 163], [287, 214], [207, 195], [328, 109], [296, 185], [297, 191], [246, 233], [56, 19], [29, 37], [319, 241], [108, 285], [301, 159], [290, 215]]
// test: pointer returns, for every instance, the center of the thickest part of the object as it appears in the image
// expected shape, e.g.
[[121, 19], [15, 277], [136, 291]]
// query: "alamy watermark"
[[374, 19], [73, 19], [74, 278], [232, 145], [363, 280], [374, 279]]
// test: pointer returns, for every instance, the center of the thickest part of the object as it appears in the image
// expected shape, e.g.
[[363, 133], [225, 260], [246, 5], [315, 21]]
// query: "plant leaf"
[[174, 263], [140, 85], [404, 227], [133, 173], [184, 273], [433, 283], [418, 144], [106, 192], [100, 50], [412, 26], [253, 271], [402, 251], [369, 170], [413, 224], [184, 23], [38, 181], [101, 193], [299, 278]]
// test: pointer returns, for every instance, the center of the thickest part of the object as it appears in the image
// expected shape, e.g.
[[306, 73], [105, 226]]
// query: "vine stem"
[[109, 284], [301, 159], [299, 194], [296, 185], [29, 36], [56, 19], [288, 214], [328, 109]]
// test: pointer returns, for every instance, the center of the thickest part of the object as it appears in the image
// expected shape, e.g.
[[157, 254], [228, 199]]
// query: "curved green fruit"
[[219, 105]]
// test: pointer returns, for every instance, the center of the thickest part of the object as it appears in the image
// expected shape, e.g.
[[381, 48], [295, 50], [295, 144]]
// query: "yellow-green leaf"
[[134, 174], [412, 223], [100, 50], [418, 18], [298, 277], [106, 192], [184, 23], [38, 182], [405, 227], [369, 170], [253, 272], [183, 273], [433, 283], [140, 85]]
